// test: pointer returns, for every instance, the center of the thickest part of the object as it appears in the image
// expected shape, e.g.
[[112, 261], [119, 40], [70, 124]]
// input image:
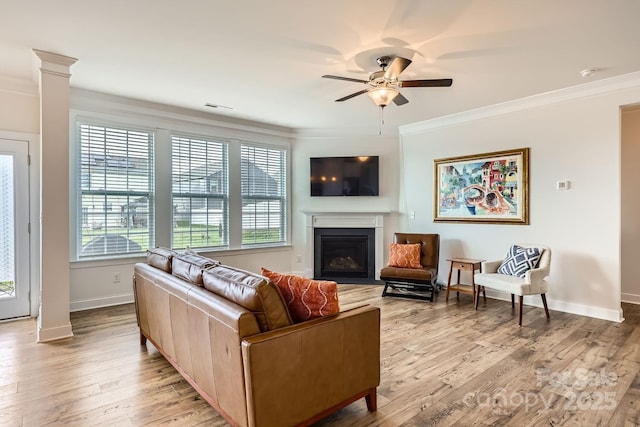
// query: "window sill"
[[132, 259]]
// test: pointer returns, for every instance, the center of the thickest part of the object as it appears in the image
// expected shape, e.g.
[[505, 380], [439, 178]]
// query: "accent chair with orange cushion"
[[413, 266]]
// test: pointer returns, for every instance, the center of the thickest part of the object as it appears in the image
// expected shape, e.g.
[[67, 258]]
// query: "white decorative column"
[[361, 219], [53, 319]]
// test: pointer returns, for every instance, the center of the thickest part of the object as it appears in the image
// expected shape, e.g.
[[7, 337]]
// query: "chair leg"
[[384, 291], [513, 301], [544, 302], [520, 298]]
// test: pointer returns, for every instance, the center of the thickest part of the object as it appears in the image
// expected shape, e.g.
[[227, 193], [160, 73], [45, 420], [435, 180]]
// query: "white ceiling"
[[264, 58]]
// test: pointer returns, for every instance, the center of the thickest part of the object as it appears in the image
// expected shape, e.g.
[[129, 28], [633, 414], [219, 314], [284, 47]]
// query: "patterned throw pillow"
[[306, 298], [405, 255], [519, 260]]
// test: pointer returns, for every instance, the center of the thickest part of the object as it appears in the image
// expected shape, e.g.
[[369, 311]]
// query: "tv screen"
[[344, 176]]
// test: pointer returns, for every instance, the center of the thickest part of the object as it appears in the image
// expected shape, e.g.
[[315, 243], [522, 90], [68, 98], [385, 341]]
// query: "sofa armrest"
[[491, 266], [295, 373]]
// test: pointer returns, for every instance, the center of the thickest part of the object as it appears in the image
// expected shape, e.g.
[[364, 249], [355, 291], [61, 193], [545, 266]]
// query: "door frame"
[[33, 142]]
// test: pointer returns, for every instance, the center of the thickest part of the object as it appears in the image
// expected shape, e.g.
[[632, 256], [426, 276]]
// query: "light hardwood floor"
[[441, 364]]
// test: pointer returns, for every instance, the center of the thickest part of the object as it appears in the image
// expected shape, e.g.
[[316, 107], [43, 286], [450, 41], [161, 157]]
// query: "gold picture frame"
[[483, 188]]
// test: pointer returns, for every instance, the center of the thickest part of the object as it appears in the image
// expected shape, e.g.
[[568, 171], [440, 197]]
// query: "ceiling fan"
[[383, 85]]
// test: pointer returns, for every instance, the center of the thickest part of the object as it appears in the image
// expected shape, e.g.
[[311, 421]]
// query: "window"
[[199, 193], [264, 201], [211, 191], [115, 179]]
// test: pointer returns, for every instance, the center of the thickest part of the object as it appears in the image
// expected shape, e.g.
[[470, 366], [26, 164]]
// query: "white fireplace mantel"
[[351, 219]]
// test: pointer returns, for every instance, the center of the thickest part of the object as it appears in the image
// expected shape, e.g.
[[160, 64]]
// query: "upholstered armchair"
[[412, 278], [518, 274]]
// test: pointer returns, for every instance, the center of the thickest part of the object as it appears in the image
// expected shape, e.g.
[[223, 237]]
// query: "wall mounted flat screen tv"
[[344, 176]]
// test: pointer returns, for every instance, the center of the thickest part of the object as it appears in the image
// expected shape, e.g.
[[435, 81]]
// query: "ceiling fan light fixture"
[[383, 95]]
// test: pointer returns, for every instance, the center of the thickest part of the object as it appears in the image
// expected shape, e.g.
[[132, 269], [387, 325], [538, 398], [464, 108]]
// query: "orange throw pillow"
[[405, 255], [306, 298]]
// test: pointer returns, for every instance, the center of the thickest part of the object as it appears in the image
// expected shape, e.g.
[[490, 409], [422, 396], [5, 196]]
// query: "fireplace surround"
[[346, 220]]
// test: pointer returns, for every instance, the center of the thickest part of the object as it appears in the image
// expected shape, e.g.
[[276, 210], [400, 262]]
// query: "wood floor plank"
[[441, 364]]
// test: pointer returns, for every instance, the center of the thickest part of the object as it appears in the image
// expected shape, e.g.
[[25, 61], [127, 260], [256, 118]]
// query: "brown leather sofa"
[[230, 335], [417, 283]]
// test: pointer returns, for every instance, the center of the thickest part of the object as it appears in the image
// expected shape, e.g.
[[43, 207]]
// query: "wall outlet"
[[412, 215], [115, 277], [299, 259]]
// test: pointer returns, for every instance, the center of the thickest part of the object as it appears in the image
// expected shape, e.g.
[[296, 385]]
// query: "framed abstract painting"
[[489, 188]]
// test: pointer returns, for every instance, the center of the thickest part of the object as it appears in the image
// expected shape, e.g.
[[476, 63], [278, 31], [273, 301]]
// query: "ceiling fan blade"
[[426, 83], [349, 79], [400, 100], [352, 95], [396, 67]]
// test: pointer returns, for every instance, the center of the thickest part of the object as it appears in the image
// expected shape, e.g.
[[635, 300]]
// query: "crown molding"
[[598, 87]]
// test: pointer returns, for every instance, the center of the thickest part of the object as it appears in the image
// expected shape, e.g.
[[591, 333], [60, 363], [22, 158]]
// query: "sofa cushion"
[[405, 255], [306, 298], [251, 291], [519, 260], [189, 267], [160, 258]]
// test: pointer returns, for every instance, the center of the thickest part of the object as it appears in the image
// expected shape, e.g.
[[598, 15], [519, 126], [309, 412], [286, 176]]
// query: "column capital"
[[54, 63]]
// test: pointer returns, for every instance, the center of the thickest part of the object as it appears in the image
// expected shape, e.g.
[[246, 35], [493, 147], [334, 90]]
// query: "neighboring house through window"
[[116, 190], [264, 201], [199, 193]]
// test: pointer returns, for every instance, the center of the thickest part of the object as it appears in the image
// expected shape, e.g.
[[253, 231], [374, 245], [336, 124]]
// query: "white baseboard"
[[53, 334], [630, 298], [566, 307], [101, 302]]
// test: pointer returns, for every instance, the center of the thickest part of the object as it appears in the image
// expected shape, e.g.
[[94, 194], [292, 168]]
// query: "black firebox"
[[344, 254]]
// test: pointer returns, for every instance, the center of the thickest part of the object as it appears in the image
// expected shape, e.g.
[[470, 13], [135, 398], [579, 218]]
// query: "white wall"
[[19, 105], [305, 147], [574, 135], [630, 238], [92, 283]]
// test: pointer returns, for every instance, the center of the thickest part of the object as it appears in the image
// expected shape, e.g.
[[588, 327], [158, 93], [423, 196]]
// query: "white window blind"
[[264, 202], [115, 183], [199, 171]]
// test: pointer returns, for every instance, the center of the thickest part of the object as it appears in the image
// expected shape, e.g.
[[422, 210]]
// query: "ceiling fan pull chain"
[[381, 120]]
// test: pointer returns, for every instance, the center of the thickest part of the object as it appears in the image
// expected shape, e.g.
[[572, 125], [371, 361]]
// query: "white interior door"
[[14, 229]]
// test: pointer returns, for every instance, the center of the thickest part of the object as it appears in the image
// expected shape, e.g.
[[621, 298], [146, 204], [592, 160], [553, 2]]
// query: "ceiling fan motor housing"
[[377, 77]]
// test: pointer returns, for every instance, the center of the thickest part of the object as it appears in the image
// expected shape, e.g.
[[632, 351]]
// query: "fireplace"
[[354, 221], [344, 254]]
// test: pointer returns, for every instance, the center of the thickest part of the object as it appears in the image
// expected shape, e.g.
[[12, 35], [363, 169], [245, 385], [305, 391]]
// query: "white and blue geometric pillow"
[[519, 260]]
